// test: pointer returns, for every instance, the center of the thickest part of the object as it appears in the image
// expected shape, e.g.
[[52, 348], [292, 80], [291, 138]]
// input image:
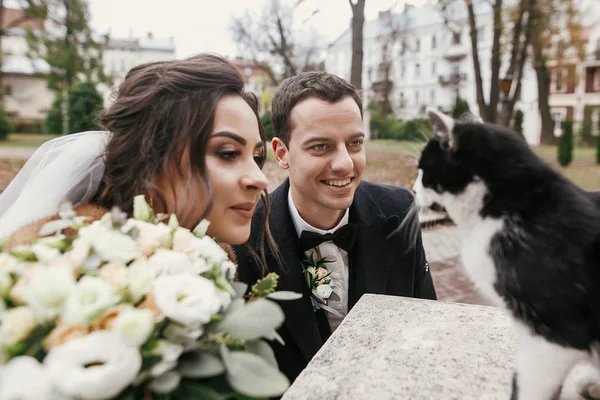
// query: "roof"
[[145, 43], [16, 18]]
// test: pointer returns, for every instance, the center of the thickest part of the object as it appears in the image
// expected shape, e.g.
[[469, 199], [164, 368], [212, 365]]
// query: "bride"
[[183, 133]]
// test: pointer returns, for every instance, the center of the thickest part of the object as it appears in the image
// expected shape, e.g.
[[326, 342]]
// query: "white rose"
[[322, 292], [134, 326], [210, 250], [115, 366], [16, 325], [6, 283], [187, 299], [43, 252], [48, 290], [80, 251], [110, 245], [139, 279], [149, 236], [8, 263], [90, 298], [169, 262], [115, 273], [25, 378]]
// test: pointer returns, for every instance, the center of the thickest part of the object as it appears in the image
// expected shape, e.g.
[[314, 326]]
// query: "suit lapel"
[[372, 256], [300, 317]]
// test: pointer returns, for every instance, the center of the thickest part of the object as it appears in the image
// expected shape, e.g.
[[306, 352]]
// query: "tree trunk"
[[543, 78], [496, 61], [358, 20], [1, 53], [483, 108]]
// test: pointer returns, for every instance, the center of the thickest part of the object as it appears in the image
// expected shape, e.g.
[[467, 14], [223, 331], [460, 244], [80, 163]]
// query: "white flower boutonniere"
[[319, 282]]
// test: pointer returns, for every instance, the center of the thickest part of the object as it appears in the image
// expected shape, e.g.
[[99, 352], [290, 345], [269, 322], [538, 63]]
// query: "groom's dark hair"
[[291, 91]]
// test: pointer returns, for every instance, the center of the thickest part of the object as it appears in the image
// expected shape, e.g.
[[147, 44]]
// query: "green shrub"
[[460, 107], [518, 123], [267, 124], [565, 144], [84, 104], [5, 125]]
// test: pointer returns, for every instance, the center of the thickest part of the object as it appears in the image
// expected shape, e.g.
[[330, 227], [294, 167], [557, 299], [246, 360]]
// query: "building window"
[[433, 68], [432, 97], [456, 37], [402, 70], [123, 65], [433, 42], [597, 80], [403, 47], [8, 90], [417, 70], [418, 45], [417, 98], [559, 80], [402, 105]]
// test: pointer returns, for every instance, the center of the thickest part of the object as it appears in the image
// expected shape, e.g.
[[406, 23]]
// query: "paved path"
[[442, 249], [22, 153]]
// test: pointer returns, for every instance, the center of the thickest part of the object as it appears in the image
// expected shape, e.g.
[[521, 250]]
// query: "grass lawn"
[[26, 140]]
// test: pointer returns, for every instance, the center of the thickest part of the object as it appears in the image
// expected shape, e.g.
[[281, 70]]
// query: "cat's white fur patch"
[[475, 232], [542, 366]]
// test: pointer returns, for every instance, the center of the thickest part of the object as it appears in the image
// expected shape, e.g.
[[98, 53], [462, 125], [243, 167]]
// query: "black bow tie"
[[343, 238]]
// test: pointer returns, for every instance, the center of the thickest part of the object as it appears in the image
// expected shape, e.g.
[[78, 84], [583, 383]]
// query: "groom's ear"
[[280, 151]]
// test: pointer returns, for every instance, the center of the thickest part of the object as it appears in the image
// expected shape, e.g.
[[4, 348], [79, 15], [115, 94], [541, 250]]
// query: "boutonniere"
[[319, 282]]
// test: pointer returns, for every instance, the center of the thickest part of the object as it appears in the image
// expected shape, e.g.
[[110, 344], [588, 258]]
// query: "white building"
[[26, 94], [431, 62]]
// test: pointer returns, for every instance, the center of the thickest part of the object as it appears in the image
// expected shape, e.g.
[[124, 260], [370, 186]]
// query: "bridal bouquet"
[[133, 308]]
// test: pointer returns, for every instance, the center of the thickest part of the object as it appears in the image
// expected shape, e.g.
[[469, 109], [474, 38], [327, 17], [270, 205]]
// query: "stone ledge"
[[400, 348]]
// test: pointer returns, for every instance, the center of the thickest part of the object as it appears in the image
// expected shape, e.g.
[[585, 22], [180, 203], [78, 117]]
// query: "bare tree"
[[495, 109], [271, 35], [358, 21]]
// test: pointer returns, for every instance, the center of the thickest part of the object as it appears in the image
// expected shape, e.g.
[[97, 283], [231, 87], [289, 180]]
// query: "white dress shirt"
[[338, 268]]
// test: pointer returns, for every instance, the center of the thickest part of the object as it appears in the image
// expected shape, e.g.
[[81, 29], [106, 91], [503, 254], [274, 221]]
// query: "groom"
[[319, 140]]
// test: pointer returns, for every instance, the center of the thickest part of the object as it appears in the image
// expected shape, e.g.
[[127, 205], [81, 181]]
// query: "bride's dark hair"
[[161, 110]]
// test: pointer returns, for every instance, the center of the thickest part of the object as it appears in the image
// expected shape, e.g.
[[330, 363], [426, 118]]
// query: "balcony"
[[452, 79], [382, 85]]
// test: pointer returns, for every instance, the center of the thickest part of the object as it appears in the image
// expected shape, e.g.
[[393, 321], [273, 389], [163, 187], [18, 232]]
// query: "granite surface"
[[400, 348]]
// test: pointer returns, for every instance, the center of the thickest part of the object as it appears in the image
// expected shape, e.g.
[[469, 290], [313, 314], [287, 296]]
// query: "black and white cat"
[[530, 240]]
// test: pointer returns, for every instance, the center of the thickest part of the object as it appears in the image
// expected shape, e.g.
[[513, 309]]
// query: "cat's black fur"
[[547, 254]]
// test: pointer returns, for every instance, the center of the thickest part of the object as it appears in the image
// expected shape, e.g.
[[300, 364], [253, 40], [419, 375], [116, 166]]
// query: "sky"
[[203, 25]]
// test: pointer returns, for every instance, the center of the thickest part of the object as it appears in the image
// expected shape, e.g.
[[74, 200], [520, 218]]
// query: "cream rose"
[[110, 245], [169, 262], [322, 292], [114, 273]]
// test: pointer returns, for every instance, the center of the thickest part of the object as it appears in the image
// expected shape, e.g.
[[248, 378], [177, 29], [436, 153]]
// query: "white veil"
[[66, 168]]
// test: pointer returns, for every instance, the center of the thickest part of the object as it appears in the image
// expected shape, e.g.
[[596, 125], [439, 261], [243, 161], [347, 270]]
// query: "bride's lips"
[[245, 210]]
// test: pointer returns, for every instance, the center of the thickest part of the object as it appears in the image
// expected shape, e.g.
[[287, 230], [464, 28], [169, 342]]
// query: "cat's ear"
[[442, 126], [470, 118]]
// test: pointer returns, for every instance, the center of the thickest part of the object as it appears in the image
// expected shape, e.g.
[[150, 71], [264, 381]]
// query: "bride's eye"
[[229, 154], [260, 160]]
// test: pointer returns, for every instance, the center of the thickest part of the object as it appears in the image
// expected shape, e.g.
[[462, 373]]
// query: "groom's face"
[[325, 158]]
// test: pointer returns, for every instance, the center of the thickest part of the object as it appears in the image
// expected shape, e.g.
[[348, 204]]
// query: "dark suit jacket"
[[378, 264]]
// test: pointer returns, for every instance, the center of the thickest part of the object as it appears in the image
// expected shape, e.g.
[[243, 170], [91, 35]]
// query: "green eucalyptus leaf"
[[166, 383], [200, 365], [262, 349], [240, 288], [284, 295], [255, 319], [253, 376]]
